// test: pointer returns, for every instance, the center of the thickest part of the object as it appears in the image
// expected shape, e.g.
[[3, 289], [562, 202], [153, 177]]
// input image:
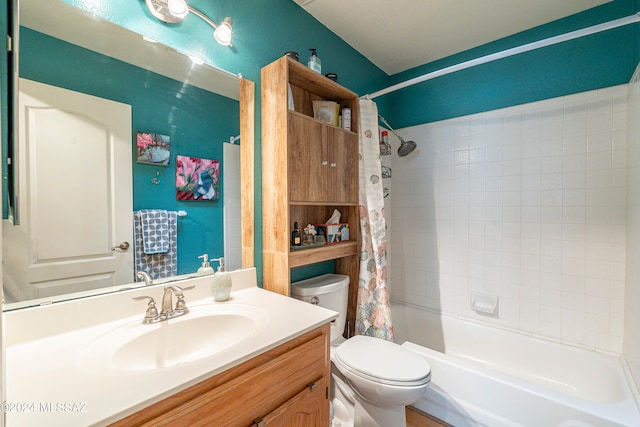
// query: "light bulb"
[[222, 34], [178, 8]]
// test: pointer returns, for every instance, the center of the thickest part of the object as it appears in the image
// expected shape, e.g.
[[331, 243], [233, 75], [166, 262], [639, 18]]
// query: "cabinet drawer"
[[306, 409], [242, 400]]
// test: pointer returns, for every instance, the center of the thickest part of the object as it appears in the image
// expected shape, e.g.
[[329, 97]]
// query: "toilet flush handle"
[[314, 300]]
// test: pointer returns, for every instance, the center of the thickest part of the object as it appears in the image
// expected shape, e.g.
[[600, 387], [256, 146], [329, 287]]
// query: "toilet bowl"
[[372, 380]]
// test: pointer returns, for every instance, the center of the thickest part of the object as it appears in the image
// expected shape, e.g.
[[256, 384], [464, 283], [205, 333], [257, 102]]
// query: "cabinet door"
[[309, 408], [342, 178], [307, 162]]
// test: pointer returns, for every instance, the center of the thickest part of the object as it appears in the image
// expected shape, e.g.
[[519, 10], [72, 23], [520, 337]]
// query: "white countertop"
[[46, 386]]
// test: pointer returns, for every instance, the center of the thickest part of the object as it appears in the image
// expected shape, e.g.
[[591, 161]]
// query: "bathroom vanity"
[[286, 386], [257, 359]]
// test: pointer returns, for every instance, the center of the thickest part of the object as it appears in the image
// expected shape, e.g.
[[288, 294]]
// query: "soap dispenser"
[[221, 282], [314, 62], [205, 269]]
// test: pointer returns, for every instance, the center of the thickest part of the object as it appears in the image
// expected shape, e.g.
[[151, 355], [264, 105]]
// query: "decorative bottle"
[[314, 62], [346, 118], [296, 238]]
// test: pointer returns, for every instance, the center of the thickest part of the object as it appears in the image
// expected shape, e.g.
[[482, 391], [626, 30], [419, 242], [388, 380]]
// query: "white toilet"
[[372, 380]]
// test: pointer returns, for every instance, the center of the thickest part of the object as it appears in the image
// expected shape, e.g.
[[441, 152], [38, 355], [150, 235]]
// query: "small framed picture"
[[153, 148], [197, 179]]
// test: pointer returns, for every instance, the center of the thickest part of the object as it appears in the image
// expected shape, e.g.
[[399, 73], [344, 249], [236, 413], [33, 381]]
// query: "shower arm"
[[391, 129]]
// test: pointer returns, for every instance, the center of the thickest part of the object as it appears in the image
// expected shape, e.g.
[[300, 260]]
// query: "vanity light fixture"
[[174, 11]]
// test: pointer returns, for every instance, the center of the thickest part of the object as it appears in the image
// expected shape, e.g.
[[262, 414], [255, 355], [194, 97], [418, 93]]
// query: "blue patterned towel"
[[157, 265], [155, 230]]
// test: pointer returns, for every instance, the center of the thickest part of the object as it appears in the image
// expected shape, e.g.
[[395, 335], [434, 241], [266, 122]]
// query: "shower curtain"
[[373, 314]]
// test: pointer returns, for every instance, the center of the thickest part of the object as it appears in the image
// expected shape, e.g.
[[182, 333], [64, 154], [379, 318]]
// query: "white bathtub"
[[487, 376]]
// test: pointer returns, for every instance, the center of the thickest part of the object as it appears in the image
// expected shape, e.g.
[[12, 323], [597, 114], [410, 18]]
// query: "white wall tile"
[[528, 203]]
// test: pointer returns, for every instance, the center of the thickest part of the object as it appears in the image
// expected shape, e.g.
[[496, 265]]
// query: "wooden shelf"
[[309, 168], [323, 253], [329, 125], [301, 76]]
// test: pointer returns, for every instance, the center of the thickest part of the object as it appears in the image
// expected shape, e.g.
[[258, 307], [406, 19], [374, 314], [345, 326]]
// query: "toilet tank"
[[330, 291]]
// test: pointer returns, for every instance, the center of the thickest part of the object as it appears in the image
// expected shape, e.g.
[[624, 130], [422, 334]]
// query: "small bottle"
[[385, 148], [296, 238], [221, 283], [205, 269], [346, 118], [314, 62]]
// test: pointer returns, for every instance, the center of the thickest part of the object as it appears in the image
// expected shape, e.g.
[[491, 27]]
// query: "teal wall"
[[265, 29], [600, 60], [198, 122]]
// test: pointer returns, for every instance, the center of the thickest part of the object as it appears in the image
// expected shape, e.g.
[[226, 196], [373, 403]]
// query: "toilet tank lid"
[[319, 285]]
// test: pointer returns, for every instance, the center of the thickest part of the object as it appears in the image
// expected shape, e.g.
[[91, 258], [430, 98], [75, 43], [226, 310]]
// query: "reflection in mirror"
[[76, 193]]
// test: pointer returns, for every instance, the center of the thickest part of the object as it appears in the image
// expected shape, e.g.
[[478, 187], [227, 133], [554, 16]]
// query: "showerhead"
[[406, 147]]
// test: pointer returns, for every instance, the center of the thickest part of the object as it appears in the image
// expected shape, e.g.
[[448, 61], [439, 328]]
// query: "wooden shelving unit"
[[309, 168]]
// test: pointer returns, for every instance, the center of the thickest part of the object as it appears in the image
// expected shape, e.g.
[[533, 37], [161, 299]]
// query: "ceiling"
[[397, 35]]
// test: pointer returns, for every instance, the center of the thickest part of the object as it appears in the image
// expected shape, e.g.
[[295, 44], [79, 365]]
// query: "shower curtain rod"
[[510, 52]]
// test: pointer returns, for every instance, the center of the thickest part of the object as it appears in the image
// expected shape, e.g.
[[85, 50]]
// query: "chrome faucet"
[[167, 310], [167, 301], [148, 281]]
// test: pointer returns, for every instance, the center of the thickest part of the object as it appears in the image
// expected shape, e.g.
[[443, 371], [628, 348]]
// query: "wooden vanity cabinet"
[[309, 168], [285, 386]]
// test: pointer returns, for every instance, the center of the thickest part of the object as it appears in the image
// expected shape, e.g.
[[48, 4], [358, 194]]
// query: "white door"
[[75, 189]]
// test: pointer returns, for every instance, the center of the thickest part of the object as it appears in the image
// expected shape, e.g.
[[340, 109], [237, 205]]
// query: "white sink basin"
[[205, 331]]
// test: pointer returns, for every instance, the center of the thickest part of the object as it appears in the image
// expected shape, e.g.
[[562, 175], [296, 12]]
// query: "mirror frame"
[[247, 179]]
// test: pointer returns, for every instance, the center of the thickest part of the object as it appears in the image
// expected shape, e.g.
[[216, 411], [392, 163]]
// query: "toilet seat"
[[382, 362]]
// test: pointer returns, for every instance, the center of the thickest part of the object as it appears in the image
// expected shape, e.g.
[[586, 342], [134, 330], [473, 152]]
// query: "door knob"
[[122, 246]]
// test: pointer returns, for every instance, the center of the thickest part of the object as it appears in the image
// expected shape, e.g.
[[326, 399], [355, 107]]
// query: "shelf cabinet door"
[[323, 162], [342, 177], [307, 163]]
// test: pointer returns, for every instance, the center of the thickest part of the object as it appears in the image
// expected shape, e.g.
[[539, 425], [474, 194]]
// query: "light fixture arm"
[[174, 11], [202, 16]]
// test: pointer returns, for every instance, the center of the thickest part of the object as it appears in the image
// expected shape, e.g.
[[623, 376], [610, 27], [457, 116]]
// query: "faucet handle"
[[181, 305], [151, 314]]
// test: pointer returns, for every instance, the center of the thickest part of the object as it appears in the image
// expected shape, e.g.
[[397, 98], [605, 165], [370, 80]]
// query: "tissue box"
[[333, 233]]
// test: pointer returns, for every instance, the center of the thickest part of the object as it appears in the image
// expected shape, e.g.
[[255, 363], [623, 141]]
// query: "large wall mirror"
[[68, 219]]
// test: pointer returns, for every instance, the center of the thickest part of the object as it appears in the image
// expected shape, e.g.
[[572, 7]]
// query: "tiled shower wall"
[[632, 290], [527, 203]]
